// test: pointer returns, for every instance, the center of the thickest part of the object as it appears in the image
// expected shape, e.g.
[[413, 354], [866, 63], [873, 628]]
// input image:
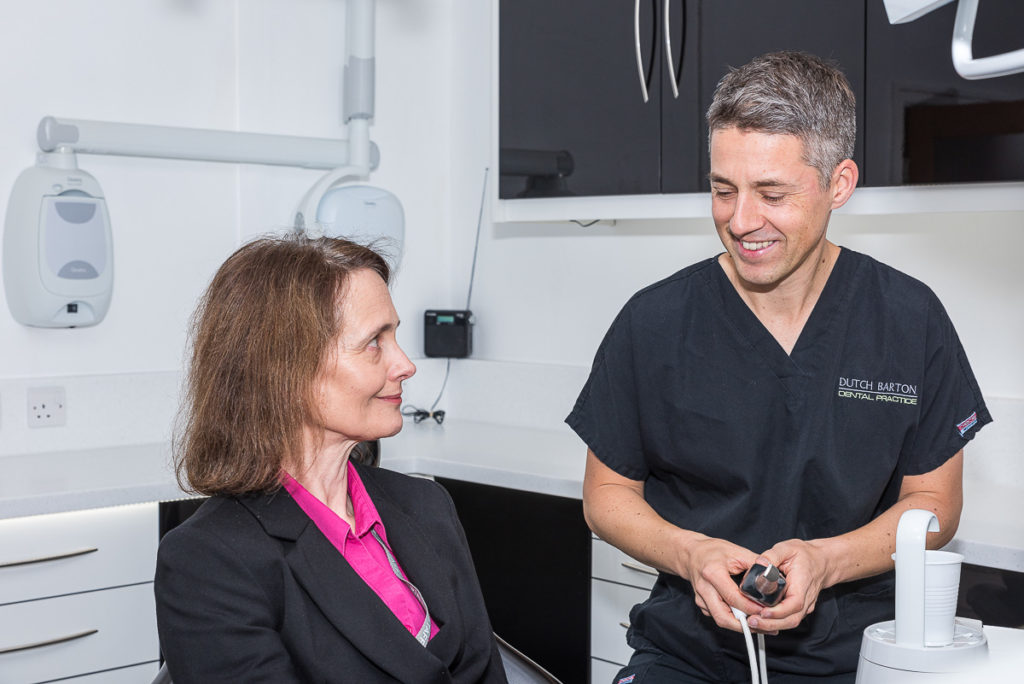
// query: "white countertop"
[[991, 531], [34, 484], [545, 461]]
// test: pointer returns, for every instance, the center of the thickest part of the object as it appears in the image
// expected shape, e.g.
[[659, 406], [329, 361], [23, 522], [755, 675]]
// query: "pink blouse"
[[360, 549]]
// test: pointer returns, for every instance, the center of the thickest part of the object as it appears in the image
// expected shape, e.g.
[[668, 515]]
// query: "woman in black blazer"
[[294, 363]]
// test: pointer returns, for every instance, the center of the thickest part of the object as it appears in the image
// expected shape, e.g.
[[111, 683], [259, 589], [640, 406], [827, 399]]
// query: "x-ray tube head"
[[364, 214], [58, 259]]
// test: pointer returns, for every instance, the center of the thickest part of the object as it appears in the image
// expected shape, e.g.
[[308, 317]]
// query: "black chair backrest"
[[521, 670]]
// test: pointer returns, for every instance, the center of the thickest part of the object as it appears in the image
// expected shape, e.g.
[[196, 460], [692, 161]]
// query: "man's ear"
[[844, 180]]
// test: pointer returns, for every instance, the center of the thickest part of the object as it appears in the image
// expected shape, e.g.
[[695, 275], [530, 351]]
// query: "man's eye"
[[375, 343], [773, 198], [724, 194]]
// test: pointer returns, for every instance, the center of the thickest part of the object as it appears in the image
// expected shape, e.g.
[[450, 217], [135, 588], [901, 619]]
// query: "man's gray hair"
[[793, 93]]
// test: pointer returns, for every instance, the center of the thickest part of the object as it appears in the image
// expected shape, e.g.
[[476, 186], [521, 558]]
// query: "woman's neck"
[[323, 472]]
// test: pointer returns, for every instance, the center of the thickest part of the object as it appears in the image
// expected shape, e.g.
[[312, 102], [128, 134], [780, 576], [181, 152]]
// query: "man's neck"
[[785, 307]]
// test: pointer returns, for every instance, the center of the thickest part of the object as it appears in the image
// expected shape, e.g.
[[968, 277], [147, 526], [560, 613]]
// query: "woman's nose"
[[403, 368]]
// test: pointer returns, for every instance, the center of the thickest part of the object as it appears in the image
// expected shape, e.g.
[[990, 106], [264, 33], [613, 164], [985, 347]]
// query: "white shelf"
[[973, 197]]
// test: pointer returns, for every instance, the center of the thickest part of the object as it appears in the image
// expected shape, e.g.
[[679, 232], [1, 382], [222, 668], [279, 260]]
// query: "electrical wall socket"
[[47, 407]]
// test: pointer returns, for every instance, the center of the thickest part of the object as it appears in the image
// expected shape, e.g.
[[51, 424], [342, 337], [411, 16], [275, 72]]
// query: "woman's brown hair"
[[259, 336]]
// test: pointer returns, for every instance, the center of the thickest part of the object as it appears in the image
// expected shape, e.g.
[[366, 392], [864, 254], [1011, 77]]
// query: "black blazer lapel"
[[342, 596], [422, 565]]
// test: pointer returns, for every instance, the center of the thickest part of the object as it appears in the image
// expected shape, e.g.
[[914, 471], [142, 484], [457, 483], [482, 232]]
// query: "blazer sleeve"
[[215, 620]]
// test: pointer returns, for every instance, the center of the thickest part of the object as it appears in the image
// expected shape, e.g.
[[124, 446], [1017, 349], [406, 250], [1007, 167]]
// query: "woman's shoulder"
[[221, 521], [407, 490]]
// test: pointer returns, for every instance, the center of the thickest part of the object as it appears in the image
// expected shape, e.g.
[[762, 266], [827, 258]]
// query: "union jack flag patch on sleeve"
[[626, 680], [966, 424]]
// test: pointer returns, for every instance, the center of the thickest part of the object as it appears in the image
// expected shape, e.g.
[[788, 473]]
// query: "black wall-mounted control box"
[[448, 333]]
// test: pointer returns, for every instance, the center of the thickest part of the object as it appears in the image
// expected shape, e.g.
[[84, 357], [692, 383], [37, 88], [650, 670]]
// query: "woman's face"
[[360, 386]]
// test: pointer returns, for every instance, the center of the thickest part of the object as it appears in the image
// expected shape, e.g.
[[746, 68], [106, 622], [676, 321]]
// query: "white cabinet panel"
[[124, 538], [610, 604], [124, 621], [600, 671], [140, 674], [611, 564]]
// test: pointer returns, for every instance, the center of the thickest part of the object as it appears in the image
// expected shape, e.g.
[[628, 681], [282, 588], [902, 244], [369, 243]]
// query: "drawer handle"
[[46, 559], [48, 642], [624, 625], [639, 568]]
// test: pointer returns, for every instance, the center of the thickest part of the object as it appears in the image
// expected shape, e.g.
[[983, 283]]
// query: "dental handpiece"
[[764, 584]]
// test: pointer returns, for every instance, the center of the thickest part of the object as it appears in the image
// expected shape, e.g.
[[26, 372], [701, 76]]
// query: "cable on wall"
[[418, 414]]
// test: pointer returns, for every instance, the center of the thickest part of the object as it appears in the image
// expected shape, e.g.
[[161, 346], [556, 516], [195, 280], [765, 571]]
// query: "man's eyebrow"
[[772, 183], [764, 183]]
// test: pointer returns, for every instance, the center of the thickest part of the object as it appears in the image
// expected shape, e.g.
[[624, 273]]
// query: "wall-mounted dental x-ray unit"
[[57, 245], [58, 258]]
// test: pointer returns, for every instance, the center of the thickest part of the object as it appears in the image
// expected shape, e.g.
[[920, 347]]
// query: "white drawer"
[[610, 604], [600, 672], [124, 538], [124, 621], [140, 674], [611, 564]]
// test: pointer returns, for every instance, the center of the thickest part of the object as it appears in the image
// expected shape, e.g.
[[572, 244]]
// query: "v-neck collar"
[[833, 298]]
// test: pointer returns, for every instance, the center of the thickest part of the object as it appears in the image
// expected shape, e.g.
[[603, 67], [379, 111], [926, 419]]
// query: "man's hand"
[[806, 567], [709, 565], [615, 508], [813, 565]]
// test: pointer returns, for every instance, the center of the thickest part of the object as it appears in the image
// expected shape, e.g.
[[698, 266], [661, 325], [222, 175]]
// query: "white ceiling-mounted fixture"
[[903, 11], [963, 55], [969, 67], [366, 215], [357, 212]]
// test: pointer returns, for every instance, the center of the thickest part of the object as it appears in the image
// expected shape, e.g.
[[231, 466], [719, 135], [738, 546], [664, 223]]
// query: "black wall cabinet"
[[532, 555], [732, 32], [572, 119]]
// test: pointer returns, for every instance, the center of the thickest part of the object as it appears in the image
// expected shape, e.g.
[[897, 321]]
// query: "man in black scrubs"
[[786, 400]]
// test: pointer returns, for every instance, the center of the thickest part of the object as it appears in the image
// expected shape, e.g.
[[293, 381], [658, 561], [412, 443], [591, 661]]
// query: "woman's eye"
[[374, 343]]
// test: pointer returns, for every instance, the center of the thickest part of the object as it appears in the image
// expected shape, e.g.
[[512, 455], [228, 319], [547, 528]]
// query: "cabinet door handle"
[[639, 55], [639, 568], [963, 52], [674, 73], [48, 642], [46, 559]]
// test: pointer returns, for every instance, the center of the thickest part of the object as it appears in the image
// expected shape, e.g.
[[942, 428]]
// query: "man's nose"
[[747, 216]]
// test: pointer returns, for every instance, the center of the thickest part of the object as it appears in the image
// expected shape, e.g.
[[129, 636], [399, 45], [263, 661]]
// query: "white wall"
[[257, 65], [544, 293]]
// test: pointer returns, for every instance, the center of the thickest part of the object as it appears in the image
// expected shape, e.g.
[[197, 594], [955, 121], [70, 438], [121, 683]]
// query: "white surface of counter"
[[991, 531], [545, 461]]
